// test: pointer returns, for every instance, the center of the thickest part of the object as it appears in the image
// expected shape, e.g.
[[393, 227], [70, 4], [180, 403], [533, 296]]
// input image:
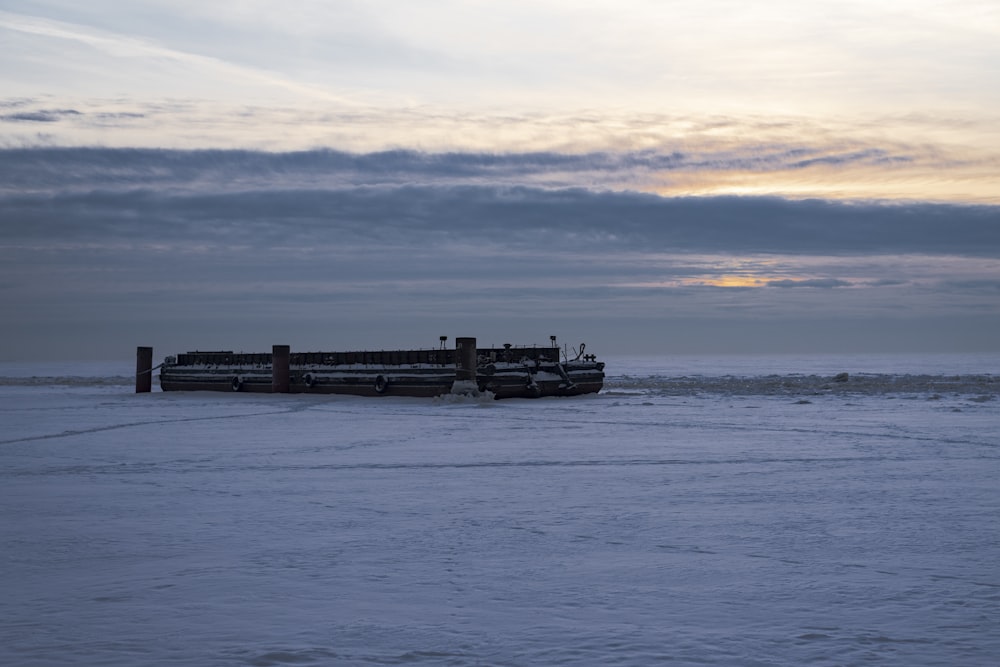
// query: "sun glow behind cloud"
[[879, 275]]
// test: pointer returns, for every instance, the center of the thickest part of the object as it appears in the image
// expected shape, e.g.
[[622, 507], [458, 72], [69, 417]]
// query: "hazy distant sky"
[[644, 175]]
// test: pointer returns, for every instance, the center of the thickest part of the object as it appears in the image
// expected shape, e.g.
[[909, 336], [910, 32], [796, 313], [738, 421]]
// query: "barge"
[[505, 372]]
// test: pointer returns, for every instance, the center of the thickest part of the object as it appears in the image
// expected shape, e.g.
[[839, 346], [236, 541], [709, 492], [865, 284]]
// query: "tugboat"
[[506, 372]]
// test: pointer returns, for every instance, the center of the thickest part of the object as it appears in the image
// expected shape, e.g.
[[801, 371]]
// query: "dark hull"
[[360, 384], [506, 373], [369, 385]]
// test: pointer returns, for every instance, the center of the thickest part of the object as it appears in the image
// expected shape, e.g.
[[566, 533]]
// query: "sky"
[[644, 176]]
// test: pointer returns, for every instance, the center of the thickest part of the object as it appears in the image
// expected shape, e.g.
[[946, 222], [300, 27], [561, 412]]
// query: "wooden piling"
[[143, 370], [280, 375], [465, 360]]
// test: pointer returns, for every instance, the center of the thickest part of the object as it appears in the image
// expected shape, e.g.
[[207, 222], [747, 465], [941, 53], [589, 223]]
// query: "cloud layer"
[[928, 158], [241, 247]]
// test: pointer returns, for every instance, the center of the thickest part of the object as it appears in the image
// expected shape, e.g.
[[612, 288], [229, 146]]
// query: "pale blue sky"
[[823, 56]]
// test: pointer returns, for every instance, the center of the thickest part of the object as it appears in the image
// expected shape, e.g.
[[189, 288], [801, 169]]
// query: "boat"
[[505, 372]]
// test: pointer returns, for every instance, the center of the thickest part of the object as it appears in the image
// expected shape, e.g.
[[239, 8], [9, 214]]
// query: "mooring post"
[[143, 370], [465, 360], [280, 376]]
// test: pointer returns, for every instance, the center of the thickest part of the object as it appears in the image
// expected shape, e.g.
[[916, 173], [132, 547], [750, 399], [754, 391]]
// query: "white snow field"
[[696, 512]]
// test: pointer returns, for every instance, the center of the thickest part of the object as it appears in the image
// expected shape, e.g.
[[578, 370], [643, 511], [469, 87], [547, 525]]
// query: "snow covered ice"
[[710, 512]]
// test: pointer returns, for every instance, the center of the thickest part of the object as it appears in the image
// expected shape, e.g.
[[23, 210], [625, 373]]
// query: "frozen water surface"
[[721, 513]]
